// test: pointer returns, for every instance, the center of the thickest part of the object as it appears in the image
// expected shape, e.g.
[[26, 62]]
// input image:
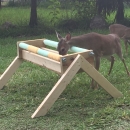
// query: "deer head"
[[63, 45]]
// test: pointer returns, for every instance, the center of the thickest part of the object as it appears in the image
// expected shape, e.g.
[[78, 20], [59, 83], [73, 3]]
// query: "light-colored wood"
[[89, 59], [42, 61], [70, 57], [19, 51], [10, 71], [101, 80], [79, 62], [37, 42], [58, 88]]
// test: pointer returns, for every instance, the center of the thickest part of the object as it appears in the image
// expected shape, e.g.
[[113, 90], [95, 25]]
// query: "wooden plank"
[[70, 57], [36, 42], [58, 88], [65, 66], [101, 80], [42, 61], [10, 71]]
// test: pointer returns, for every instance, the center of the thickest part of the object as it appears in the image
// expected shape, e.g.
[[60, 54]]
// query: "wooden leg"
[[101, 80], [10, 71], [58, 88], [79, 62]]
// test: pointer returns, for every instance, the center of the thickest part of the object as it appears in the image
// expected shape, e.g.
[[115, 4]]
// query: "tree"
[[0, 3], [107, 6], [120, 12], [33, 15]]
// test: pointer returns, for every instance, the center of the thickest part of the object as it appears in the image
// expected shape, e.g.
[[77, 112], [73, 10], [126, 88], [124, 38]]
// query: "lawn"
[[78, 108]]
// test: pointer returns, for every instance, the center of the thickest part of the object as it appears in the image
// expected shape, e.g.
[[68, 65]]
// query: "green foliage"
[[76, 13], [18, 3], [55, 11], [19, 17], [66, 20], [127, 17], [111, 18], [106, 7], [85, 9]]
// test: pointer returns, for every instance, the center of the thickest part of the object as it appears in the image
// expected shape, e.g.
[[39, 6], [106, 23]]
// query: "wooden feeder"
[[67, 66]]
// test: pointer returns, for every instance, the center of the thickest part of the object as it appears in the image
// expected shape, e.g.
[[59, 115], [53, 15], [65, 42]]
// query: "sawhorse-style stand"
[[67, 66]]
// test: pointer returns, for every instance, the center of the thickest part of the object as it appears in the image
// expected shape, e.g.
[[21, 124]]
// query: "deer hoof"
[[95, 88]]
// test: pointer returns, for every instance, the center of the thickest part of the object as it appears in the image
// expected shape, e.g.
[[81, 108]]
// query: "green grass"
[[77, 108], [21, 15]]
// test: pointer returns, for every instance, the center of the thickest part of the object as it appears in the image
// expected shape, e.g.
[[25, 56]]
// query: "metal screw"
[[64, 59]]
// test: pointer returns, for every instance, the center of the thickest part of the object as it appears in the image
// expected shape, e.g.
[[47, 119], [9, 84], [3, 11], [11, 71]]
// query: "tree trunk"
[[0, 3], [33, 15], [120, 12]]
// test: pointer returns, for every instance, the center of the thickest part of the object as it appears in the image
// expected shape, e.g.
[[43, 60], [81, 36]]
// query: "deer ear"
[[58, 36], [68, 37]]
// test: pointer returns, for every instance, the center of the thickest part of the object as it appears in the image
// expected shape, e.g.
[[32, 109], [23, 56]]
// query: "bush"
[[73, 24]]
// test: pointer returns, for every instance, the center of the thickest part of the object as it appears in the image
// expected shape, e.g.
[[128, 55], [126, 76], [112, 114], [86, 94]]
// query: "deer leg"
[[97, 62], [125, 67], [126, 46], [119, 53], [94, 85], [112, 59], [129, 41]]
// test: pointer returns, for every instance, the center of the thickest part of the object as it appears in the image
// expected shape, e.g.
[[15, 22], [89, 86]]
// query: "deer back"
[[127, 34], [86, 41], [118, 29], [100, 44]]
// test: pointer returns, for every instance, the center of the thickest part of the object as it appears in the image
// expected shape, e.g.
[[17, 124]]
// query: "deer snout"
[[62, 51]]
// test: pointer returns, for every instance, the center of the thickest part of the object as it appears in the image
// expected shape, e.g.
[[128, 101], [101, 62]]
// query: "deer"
[[123, 32], [102, 46]]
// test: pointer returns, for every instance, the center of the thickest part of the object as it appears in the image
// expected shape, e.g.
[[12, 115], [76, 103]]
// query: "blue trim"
[[23, 45]]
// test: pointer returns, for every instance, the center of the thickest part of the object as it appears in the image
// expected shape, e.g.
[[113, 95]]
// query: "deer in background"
[[123, 32], [102, 45]]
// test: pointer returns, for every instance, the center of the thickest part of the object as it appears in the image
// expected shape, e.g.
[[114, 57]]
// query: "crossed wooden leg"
[[79, 62], [10, 71]]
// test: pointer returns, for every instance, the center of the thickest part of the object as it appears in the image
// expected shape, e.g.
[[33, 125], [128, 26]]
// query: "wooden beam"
[[79, 62], [10, 71], [42, 61], [36, 42], [101, 80], [58, 88]]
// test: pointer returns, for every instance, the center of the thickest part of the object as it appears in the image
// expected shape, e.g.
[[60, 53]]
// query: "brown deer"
[[123, 32], [102, 45]]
